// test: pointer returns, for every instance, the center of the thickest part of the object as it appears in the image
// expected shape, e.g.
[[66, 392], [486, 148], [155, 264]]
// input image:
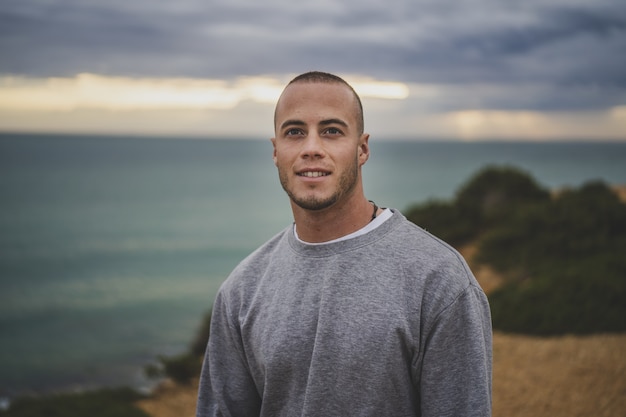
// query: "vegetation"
[[562, 257], [102, 403], [183, 368], [492, 197]]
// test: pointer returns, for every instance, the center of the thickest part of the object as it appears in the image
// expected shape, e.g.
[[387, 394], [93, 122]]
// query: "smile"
[[313, 174]]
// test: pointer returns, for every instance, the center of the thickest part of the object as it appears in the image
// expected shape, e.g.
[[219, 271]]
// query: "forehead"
[[316, 101]]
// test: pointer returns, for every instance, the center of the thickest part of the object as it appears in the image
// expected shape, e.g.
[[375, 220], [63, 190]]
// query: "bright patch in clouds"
[[123, 93], [379, 89], [92, 91], [619, 113], [243, 107], [514, 125], [473, 124]]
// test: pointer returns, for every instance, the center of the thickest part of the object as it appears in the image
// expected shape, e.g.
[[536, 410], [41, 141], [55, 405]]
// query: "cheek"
[[281, 161], [277, 157]]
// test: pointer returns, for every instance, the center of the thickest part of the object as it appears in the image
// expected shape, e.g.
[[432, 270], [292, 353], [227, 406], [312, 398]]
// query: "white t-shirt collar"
[[380, 219]]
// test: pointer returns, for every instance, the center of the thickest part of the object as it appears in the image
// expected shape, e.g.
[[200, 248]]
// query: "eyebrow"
[[333, 122], [296, 122], [292, 122]]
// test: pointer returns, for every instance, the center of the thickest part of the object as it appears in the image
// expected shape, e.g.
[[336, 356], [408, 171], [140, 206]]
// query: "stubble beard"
[[347, 183]]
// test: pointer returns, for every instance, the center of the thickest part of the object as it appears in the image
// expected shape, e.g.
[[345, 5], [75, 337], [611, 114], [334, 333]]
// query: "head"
[[319, 144], [327, 78]]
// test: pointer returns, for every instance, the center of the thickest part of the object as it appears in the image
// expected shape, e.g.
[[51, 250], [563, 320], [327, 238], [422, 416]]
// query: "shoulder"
[[443, 272], [440, 277], [420, 247]]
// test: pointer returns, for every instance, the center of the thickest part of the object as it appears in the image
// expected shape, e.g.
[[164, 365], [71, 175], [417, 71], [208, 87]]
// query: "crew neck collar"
[[387, 223], [376, 221]]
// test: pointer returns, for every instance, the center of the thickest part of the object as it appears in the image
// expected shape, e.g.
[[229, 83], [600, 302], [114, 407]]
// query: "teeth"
[[313, 174]]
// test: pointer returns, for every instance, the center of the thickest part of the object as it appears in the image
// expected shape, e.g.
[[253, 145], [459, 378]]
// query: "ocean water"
[[112, 249]]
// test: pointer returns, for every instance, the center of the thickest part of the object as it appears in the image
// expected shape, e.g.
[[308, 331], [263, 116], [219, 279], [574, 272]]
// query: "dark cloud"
[[556, 43], [549, 29]]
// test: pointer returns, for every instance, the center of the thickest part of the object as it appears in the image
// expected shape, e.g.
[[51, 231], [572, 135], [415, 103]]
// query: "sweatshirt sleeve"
[[457, 361], [226, 386]]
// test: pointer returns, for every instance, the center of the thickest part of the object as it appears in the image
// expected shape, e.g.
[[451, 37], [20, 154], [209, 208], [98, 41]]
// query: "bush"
[[490, 198], [183, 368], [199, 343], [562, 258], [443, 220], [577, 224], [578, 301], [495, 194], [565, 264]]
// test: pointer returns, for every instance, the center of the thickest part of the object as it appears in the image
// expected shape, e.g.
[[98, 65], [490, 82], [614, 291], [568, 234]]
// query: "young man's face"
[[318, 148]]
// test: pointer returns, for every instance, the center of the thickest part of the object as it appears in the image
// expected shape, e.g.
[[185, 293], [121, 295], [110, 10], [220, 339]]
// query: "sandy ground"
[[564, 376], [171, 400], [567, 376]]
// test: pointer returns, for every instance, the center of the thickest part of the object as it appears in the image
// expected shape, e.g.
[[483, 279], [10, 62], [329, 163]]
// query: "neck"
[[333, 222]]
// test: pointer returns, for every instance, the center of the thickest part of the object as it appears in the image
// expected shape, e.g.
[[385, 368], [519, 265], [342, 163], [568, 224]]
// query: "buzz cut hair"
[[325, 77]]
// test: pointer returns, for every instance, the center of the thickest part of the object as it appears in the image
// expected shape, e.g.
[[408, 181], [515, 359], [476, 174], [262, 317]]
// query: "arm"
[[457, 361], [226, 386]]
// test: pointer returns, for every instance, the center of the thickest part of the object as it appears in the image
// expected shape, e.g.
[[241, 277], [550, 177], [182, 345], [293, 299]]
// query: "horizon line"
[[241, 137]]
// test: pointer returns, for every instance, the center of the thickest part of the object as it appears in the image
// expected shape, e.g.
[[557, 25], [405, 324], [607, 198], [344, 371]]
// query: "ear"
[[364, 148], [274, 152]]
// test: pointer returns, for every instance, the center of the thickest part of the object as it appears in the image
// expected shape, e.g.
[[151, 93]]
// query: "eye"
[[333, 131], [293, 132]]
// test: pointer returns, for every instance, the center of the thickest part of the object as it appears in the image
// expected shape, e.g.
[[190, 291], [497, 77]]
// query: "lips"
[[313, 174]]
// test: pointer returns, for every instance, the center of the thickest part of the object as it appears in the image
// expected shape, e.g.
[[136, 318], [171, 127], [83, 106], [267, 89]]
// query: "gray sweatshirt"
[[390, 323]]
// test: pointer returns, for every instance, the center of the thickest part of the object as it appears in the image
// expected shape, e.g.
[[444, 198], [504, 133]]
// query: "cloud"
[[507, 125], [91, 103], [163, 106], [123, 93], [536, 56], [90, 91], [419, 41]]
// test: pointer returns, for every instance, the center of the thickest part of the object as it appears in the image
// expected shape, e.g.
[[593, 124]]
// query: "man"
[[352, 310]]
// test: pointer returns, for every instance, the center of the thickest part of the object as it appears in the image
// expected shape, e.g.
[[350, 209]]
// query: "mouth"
[[313, 174]]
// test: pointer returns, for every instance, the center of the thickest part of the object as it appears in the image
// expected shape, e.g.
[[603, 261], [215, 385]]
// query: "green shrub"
[[199, 343], [563, 258], [565, 265], [495, 194], [489, 199], [443, 220], [579, 300], [574, 226], [183, 368]]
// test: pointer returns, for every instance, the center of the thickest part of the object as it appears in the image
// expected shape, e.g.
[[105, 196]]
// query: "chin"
[[313, 203]]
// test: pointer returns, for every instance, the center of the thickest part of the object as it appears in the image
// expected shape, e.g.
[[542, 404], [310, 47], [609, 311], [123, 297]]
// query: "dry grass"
[[172, 400], [562, 376]]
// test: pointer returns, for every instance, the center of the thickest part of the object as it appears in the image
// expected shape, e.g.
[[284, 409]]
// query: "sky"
[[425, 69]]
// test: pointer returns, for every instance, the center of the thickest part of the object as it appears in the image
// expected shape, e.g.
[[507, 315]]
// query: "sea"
[[112, 248]]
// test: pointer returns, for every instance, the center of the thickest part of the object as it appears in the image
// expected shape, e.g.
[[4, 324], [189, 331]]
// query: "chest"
[[332, 322]]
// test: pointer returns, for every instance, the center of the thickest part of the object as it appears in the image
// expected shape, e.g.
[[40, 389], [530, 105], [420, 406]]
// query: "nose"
[[312, 147]]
